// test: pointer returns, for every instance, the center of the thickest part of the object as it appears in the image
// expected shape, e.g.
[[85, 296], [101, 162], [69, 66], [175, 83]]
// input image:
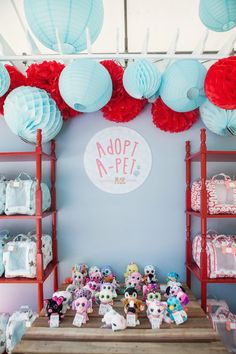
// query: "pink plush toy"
[[183, 298], [149, 288], [134, 280], [95, 276], [82, 307]]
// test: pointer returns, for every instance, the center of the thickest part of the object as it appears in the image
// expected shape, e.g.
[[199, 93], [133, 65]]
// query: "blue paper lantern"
[[219, 121], [218, 15], [4, 80], [27, 109], [142, 79], [69, 17], [182, 87], [85, 85]]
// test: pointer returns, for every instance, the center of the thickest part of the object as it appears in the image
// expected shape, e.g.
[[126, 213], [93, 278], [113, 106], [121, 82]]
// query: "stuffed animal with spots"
[[114, 320], [173, 289]]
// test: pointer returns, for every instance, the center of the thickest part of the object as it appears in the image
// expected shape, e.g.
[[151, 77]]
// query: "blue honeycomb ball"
[[85, 85], [4, 80], [142, 79], [220, 121], [27, 109], [69, 17]]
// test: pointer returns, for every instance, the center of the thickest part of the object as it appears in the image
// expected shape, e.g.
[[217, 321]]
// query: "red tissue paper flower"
[[170, 121], [46, 75], [121, 107], [220, 83], [17, 79]]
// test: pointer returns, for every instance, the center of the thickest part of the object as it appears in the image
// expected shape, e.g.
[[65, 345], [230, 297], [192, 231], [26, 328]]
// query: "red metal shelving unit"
[[203, 156], [38, 156]]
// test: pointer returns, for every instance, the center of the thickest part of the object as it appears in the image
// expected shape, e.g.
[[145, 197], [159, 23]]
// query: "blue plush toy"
[[172, 276], [106, 271], [175, 311]]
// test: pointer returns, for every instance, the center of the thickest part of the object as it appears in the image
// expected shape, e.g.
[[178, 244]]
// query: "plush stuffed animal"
[[71, 288], [157, 313], [105, 297], [131, 293], [149, 274], [67, 299], [172, 289], [93, 287], [134, 280], [114, 320], [83, 293], [172, 277], [95, 276], [94, 269], [175, 310], [153, 296], [54, 306], [133, 307], [108, 275], [82, 307], [109, 286], [131, 268], [149, 288], [78, 278], [183, 298]]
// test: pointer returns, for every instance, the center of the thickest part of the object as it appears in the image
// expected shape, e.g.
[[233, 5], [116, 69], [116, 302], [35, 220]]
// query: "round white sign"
[[117, 160]]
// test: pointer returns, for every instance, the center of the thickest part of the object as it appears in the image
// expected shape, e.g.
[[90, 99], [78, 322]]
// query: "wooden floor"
[[193, 337]]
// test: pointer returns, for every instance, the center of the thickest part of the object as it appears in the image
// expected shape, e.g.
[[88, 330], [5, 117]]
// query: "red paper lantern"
[[17, 79], [46, 76], [122, 107], [170, 121], [220, 83]]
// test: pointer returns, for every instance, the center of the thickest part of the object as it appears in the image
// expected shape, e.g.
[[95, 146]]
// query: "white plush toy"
[[114, 320]]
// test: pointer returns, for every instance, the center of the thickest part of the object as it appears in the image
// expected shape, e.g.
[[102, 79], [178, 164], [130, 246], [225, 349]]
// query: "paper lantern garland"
[[27, 109], [220, 83], [141, 79], [218, 15], [219, 121], [85, 85], [4, 80], [168, 120], [182, 87], [122, 107], [69, 17]]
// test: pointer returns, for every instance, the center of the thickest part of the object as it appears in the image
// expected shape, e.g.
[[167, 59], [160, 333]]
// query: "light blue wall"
[[146, 225]]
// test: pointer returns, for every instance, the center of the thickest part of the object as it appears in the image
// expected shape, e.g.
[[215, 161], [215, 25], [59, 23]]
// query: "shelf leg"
[[203, 260], [40, 297], [55, 279], [188, 216], [203, 295]]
